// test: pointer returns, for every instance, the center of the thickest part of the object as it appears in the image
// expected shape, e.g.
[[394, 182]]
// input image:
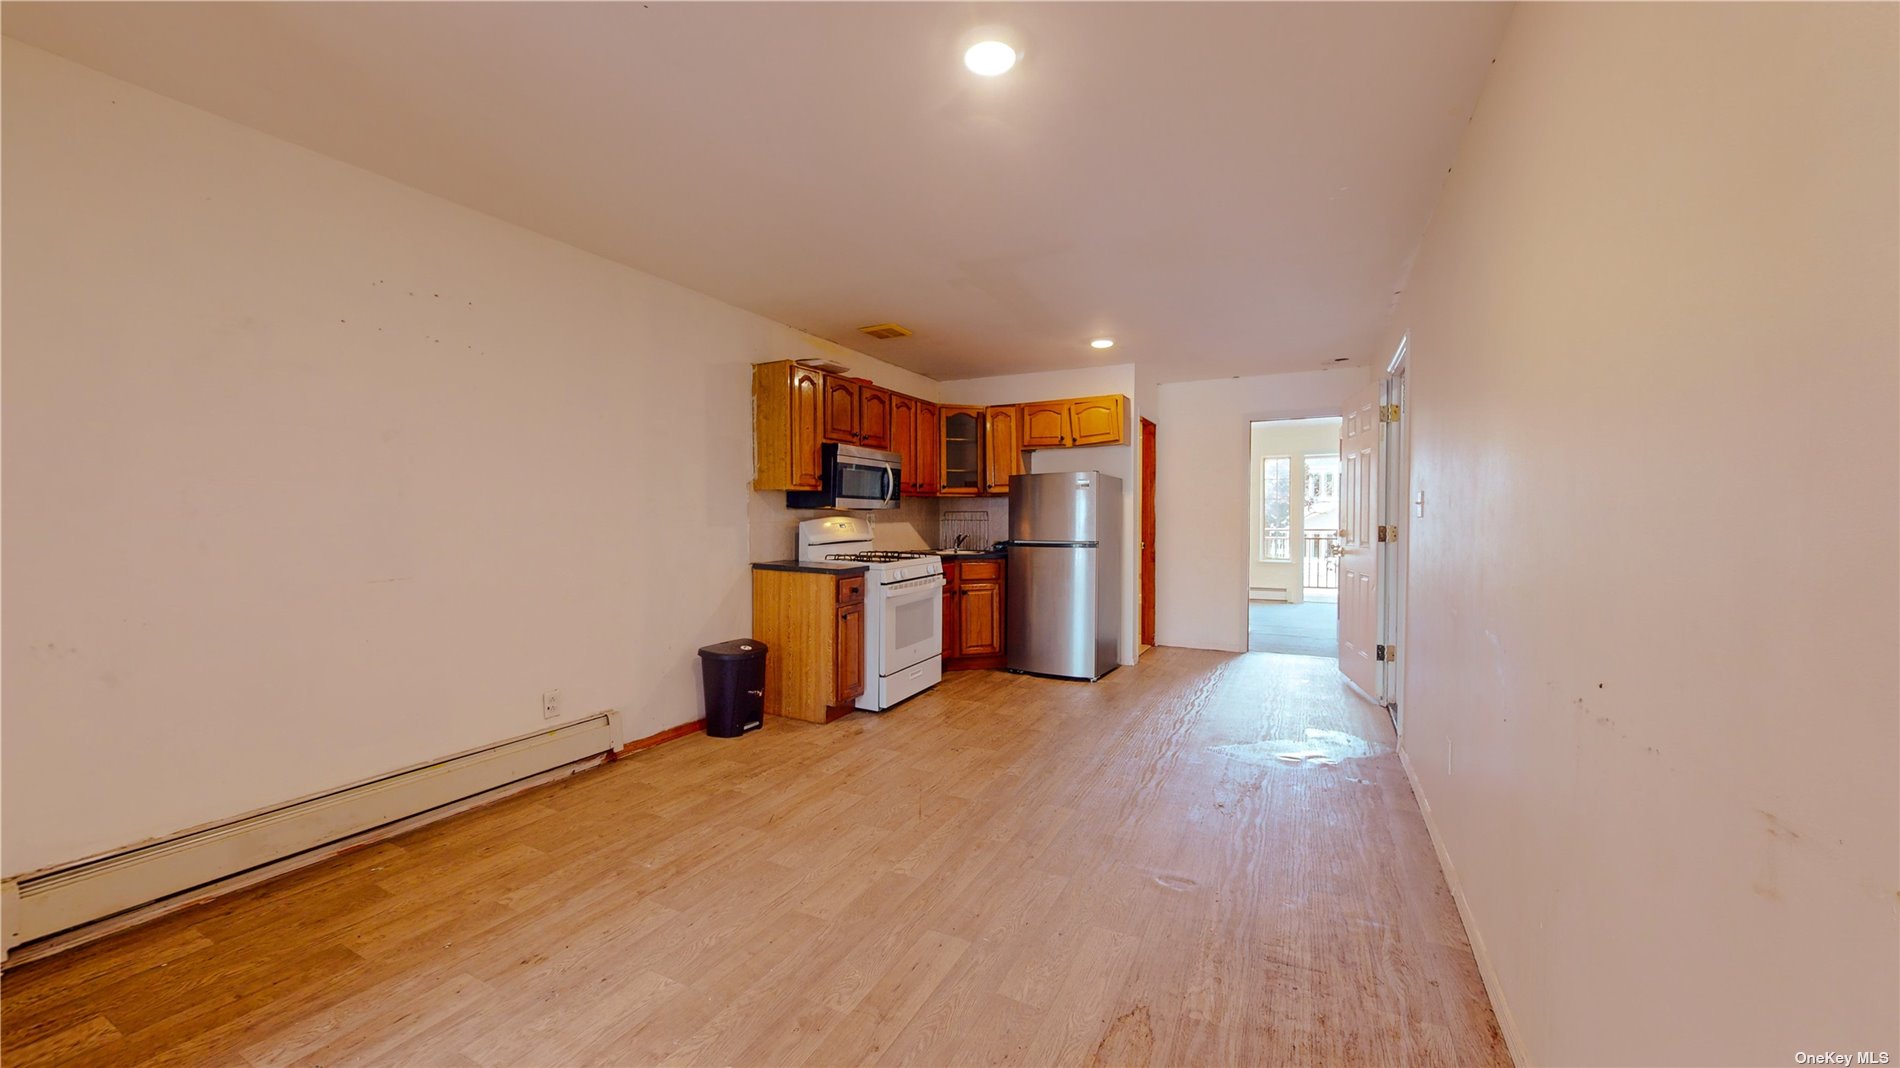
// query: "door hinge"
[[1389, 413], [1388, 532], [1387, 653]]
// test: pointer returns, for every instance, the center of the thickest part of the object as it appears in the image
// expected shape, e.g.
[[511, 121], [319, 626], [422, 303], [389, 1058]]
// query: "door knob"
[[1339, 550]]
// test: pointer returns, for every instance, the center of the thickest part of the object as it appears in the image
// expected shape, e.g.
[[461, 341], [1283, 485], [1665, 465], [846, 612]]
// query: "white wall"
[[1295, 439], [1650, 665], [1041, 385], [1121, 461], [1203, 441], [310, 476]]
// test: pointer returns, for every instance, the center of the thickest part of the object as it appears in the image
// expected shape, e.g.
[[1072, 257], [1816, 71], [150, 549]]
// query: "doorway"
[[1147, 534], [1293, 567]]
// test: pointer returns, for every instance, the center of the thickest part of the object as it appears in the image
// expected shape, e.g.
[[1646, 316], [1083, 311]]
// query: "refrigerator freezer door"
[[1056, 507], [1052, 611]]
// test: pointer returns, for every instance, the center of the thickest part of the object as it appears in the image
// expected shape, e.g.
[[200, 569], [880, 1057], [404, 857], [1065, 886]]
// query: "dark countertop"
[[840, 568], [989, 554]]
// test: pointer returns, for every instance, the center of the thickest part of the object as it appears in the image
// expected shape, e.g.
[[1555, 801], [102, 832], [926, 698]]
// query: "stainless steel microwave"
[[853, 477]]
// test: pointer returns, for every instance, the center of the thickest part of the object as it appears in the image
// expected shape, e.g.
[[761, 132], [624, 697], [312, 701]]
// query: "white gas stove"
[[903, 607]]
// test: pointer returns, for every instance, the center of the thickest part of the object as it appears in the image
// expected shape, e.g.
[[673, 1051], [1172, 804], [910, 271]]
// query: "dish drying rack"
[[973, 525]]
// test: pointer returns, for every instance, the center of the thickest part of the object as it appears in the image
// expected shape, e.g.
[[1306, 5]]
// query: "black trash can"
[[735, 687]]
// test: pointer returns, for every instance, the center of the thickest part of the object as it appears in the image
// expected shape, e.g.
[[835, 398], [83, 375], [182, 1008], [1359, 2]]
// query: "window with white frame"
[[1276, 509], [1321, 515]]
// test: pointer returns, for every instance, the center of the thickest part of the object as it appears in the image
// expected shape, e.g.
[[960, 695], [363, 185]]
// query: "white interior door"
[[1358, 544]]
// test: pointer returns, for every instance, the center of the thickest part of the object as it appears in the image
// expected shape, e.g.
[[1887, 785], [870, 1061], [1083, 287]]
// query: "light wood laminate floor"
[[1160, 868]]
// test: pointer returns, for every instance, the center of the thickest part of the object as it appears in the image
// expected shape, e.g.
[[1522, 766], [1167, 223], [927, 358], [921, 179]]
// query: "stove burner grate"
[[879, 556]]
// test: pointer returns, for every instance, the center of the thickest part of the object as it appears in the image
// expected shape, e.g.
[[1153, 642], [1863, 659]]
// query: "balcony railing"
[[1319, 567]]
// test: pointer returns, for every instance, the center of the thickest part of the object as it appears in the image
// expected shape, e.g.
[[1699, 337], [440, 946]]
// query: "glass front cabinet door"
[[962, 451]]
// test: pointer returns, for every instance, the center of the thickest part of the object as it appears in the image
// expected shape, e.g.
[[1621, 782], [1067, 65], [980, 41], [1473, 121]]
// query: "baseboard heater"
[[58, 899]]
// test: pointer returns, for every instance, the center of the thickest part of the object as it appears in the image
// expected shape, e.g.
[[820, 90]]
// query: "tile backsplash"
[[913, 524], [774, 527], [995, 511]]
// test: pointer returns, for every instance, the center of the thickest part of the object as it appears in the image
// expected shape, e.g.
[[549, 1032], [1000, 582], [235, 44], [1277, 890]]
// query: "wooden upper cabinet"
[[841, 410], [1004, 457], [961, 468], [1060, 424], [929, 446], [788, 421], [904, 439], [947, 450], [914, 431], [1097, 421], [1046, 425], [874, 417]]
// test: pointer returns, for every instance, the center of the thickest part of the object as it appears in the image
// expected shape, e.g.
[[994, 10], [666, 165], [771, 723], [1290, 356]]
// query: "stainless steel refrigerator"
[[1065, 574]]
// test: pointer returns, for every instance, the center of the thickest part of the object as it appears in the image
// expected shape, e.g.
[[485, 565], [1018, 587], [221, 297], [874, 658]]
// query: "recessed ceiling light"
[[1102, 343], [989, 58]]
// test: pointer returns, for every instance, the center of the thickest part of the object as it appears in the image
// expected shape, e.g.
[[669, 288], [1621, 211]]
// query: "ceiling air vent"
[[884, 331]]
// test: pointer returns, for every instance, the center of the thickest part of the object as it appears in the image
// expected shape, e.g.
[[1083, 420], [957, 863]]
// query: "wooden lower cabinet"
[[973, 610], [812, 624], [850, 674]]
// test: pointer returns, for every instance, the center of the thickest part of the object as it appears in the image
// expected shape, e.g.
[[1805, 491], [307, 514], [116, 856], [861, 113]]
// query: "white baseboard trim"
[[214, 859], [1507, 1024]]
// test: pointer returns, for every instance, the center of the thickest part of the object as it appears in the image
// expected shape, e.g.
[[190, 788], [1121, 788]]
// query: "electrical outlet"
[[550, 704]]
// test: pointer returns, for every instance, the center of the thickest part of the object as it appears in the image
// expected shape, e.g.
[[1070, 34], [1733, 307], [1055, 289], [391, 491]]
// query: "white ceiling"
[[1226, 189]]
